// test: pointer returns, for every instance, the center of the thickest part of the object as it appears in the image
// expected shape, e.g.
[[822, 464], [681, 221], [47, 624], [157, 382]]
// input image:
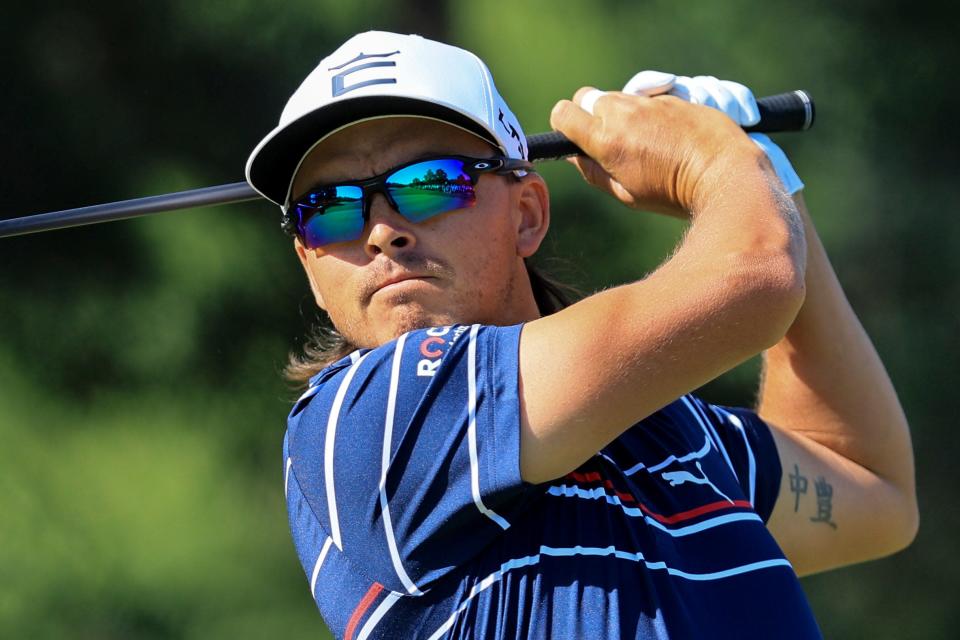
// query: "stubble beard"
[[407, 311]]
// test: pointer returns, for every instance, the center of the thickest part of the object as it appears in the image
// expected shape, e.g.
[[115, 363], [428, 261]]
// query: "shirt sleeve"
[[409, 454], [747, 444]]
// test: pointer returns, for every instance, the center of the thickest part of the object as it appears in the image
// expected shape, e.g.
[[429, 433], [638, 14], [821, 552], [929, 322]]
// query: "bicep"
[[831, 511]]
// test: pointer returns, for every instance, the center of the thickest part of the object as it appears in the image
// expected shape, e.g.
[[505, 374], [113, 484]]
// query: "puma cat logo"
[[679, 477]]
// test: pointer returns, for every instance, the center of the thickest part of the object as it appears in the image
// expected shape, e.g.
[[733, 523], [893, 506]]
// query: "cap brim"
[[272, 164]]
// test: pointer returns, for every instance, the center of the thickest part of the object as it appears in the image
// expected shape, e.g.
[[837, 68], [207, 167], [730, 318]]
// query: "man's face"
[[464, 266]]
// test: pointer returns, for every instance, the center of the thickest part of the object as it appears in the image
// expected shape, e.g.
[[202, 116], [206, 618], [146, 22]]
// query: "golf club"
[[791, 111]]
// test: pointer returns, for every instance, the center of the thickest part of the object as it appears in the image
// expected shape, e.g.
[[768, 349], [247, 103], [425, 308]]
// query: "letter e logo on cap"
[[339, 87]]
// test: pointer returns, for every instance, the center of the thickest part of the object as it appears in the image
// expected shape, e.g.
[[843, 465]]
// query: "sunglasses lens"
[[426, 189], [331, 214]]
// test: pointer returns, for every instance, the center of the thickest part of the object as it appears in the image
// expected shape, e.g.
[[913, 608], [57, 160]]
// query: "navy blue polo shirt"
[[411, 520]]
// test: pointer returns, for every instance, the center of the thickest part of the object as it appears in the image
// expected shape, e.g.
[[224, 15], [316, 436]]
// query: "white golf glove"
[[732, 98]]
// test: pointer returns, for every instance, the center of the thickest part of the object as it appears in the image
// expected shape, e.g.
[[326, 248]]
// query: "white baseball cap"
[[379, 74]]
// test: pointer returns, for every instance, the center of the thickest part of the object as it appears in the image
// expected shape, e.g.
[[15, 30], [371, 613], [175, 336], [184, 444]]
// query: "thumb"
[[597, 176], [650, 83], [569, 119]]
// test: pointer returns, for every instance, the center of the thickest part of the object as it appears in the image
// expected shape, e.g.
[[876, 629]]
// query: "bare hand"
[[657, 154]]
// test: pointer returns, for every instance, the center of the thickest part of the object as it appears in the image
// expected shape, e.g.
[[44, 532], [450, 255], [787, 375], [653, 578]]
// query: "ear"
[[533, 209], [307, 257]]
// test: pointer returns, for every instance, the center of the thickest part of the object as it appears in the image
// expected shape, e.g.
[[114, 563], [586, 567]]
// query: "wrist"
[[740, 170], [781, 164]]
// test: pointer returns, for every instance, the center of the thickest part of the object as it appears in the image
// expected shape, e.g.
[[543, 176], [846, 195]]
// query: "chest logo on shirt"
[[431, 348], [676, 478]]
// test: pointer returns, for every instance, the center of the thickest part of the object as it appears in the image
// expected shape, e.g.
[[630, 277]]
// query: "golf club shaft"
[[792, 111]]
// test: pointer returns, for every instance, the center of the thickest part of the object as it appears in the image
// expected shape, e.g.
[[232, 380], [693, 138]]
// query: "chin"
[[406, 322]]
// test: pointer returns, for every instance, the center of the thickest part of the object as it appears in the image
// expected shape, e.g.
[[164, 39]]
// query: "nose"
[[389, 232]]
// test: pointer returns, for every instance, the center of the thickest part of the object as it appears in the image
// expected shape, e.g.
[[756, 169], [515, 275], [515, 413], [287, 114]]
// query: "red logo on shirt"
[[431, 348], [432, 354], [429, 342]]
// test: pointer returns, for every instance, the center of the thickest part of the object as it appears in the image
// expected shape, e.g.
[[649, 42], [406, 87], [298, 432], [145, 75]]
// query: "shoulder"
[[432, 363]]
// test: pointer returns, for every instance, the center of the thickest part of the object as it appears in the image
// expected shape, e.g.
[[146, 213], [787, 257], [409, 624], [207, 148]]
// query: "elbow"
[[904, 513], [900, 525], [913, 528], [773, 284], [908, 522]]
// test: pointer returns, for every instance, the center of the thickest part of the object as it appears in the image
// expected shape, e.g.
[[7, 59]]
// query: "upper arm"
[[831, 511], [592, 370]]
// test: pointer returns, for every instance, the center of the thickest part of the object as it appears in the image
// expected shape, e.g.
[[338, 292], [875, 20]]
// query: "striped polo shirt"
[[411, 520]]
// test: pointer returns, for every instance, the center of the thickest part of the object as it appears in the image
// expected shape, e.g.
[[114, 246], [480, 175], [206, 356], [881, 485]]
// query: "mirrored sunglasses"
[[417, 190]]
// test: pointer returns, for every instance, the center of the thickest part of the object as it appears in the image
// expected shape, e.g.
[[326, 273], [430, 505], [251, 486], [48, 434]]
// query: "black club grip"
[[551, 146], [791, 111]]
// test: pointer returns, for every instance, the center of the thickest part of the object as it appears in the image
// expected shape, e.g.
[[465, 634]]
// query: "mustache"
[[409, 263]]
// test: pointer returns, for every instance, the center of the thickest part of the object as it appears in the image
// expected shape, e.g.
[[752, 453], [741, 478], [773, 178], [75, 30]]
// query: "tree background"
[[141, 410]]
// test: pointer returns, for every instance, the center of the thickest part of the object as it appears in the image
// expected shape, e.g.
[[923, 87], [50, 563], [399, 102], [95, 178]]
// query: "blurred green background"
[[141, 408]]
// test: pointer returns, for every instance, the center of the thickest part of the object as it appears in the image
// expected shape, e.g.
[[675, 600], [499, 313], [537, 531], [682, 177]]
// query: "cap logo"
[[339, 87], [512, 130]]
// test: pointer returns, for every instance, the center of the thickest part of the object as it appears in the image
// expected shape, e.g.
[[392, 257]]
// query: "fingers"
[[582, 119], [575, 118], [731, 98], [586, 98], [592, 172], [749, 113], [569, 119], [650, 83], [719, 97], [590, 98]]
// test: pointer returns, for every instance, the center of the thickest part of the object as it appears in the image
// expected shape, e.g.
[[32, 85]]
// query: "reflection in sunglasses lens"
[[331, 214], [428, 188]]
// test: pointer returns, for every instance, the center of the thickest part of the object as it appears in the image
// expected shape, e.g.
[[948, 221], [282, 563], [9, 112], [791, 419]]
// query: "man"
[[482, 464]]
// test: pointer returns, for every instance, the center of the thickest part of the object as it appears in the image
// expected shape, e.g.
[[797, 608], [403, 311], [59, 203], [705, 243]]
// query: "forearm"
[[686, 323], [825, 382]]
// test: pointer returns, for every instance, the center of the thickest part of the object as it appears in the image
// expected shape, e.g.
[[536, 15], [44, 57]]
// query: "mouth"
[[400, 283], [406, 273]]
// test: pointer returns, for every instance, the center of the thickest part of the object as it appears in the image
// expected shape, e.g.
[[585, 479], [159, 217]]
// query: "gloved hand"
[[732, 98]]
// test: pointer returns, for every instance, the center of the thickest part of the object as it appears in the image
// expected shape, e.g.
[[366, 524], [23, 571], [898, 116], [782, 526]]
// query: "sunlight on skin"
[[465, 266]]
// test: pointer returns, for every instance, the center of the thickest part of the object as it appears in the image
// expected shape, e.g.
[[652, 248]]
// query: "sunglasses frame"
[[472, 167]]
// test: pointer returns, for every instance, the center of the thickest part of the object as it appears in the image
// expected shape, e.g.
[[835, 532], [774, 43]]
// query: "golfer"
[[474, 458]]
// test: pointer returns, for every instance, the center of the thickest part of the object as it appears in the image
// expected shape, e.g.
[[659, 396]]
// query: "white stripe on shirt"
[[306, 394], [378, 614], [385, 466], [751, 462], [316, 567], [472, 429], [707, 427], [527, 561], [598, 493], [328, 451], [286, 476], [695, 455]]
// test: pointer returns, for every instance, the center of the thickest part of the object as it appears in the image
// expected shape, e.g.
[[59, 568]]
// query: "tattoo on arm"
[[824, 493], [798, 485], [824, 502]]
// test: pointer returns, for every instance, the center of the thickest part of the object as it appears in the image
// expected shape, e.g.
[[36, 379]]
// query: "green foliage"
[[141, 411]]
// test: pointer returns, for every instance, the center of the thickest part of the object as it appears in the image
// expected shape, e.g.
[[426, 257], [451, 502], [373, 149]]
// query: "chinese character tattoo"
[[824, 502], [798, 485]]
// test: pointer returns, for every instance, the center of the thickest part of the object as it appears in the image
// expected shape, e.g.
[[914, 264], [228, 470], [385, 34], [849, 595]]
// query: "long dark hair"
[[324, 344]]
